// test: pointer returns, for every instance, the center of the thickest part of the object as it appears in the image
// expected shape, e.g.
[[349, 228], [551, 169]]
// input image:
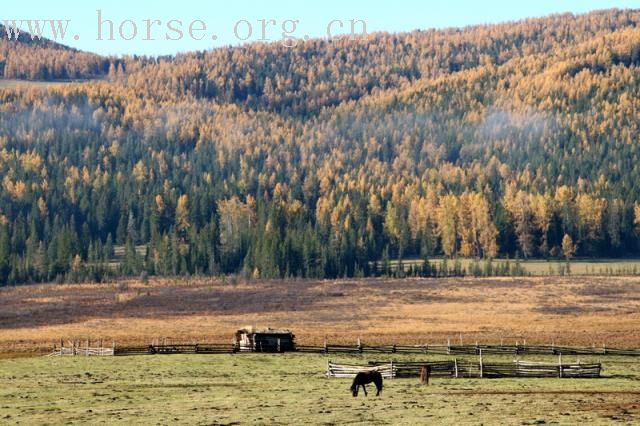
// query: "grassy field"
[[291, 389], [565, 311], [26, 83], [12, 84], [538, 267]]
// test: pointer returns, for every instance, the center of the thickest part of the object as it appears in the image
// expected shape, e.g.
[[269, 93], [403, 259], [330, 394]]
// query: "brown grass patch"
[[580, 311]]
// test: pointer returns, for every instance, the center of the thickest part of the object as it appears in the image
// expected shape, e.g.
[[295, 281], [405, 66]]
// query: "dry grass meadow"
[[571, 310]]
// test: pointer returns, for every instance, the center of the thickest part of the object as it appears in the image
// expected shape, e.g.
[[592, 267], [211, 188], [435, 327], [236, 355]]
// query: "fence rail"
[[350, 371], [515, 350], [77, 351], [175, 349], [413, 368], [472, 350]]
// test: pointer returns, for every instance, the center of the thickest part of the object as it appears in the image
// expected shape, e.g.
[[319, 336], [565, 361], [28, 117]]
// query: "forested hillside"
[[517, 140], [30, 58]]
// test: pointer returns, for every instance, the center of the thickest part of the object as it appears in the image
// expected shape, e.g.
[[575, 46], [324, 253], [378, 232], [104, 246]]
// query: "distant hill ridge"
[[40, 59]]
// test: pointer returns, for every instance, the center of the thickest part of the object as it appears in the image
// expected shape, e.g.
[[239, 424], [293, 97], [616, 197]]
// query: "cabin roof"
[[254, 330]]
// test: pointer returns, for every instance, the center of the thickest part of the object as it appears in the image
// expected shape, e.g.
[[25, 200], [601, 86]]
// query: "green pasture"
[[292, 389]]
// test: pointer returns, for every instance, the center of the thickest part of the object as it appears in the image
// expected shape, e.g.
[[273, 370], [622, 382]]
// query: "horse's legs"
[[364, 388]]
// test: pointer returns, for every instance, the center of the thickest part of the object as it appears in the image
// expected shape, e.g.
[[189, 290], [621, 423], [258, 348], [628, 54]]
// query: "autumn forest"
[[517, 140]]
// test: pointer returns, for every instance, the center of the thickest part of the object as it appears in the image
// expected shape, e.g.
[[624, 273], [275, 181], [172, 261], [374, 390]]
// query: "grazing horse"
[[364, 378]]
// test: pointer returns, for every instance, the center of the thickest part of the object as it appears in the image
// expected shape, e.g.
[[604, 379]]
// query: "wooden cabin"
[[250, 339]]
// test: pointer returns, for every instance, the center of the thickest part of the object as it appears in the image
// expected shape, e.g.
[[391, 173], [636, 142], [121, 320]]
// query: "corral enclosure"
[[564, 311]]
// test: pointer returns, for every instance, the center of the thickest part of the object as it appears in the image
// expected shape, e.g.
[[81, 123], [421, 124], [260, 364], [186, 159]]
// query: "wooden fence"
[[413, 368], [449, 349], [463, 368], [75, 348], [168, 349], [350, 371]]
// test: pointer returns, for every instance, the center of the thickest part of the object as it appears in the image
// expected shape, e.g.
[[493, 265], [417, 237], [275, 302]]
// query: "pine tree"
[[5, 253]]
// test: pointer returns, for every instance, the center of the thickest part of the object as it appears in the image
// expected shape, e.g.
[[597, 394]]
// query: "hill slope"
[[31, 58], [517, 139]]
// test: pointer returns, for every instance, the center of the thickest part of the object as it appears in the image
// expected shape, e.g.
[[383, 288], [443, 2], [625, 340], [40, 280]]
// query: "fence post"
[[279, 344], [392, 374], [455, 365], [359, 345], [448, 346], [113, 346], [560, 365], [326, 346], [425, 372], [481, 363]]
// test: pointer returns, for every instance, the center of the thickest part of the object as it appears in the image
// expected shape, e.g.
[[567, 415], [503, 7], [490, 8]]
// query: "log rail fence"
[[470, 369], [163, 347]]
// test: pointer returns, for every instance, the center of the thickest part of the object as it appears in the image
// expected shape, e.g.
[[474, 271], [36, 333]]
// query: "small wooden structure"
[[250, 339]]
